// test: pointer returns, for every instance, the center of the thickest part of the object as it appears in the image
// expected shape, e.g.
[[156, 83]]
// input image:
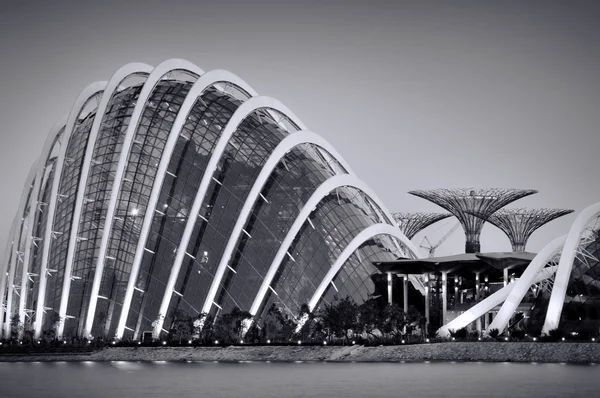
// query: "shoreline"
[[520, 352]]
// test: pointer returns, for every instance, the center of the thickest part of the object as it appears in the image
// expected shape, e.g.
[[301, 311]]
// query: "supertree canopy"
[[412, 223], [463, 203], [519, 224]]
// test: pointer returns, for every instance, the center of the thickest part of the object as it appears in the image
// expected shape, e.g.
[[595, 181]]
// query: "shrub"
[[518, 334], [494, 333], [555, 334]]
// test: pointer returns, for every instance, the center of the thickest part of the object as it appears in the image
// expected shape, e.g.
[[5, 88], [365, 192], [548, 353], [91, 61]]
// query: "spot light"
[[593, 339], [139, 342], [402, 341], [478, 338], [268, 341], [453, 339], [164, 342], [299, 342], [324, 343], [113, 343], [563, 339], [353, 342], [535, 339], [241, 341], [189, 341], [65, 342], [506, 339], [427, 340]]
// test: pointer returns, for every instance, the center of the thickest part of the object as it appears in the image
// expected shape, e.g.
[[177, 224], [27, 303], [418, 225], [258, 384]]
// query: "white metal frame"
[[364, 236], [321, 192], [19, 230], [242, 112], [565, 265], [286, 145], [522, 285], [207, 80], [157, 74], [113, 86]]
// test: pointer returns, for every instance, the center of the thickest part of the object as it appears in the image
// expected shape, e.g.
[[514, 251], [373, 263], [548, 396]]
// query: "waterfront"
[[289, 379]]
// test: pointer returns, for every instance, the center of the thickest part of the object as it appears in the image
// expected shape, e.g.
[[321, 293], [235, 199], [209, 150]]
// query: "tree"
[[370, 317], [16, 326], [395, 320], [341, 317], [182, 326], [228, 328]]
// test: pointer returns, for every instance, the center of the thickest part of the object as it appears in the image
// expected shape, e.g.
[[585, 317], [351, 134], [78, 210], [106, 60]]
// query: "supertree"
[[463, 203], [412, 223], [519, 224]]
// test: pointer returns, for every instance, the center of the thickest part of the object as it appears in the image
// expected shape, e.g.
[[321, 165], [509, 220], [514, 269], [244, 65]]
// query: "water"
[[308, 379]]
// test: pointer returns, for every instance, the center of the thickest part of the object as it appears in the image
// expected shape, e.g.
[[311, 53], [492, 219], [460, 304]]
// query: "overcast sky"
[[414, 95]]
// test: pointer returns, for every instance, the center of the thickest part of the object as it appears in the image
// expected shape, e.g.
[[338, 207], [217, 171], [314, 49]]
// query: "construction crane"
[[431, 248]]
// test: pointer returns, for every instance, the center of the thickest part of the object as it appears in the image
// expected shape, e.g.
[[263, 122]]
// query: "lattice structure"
[[519, 224], [463, 203], [412, 223]]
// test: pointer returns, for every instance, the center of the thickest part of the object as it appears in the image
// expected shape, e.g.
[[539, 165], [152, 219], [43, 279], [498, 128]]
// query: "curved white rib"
[[35, 195], [522, 285], [155, 76], [82, 99], [3, 269], [565, 265], [321, 192], [112, 87], [484, 306], [241, 113], [16, 239], [286, 145], [366, 234], [206, 81]]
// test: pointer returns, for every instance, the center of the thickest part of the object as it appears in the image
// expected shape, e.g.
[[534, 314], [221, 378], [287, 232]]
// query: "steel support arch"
[[364, 236], [49, 145], [565, 265], [207, 80], [16, 239], [113, 86], [81, 101], [242, 112], [522, 285], [157, 74], [286, 145], [320, 193], [484, 306]]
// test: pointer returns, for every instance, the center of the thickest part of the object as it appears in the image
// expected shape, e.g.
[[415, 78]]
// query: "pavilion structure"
[[413, 223], [464, 203], [455, 283]]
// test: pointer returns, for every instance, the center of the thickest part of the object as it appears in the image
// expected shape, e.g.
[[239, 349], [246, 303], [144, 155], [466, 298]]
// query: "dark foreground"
[[308, 379], [563, 352]]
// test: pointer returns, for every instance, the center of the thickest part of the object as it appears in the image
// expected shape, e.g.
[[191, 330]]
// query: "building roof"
[[458, 263]]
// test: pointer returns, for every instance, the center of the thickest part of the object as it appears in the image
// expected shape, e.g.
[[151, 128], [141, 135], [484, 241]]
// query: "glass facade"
[[336, 220]]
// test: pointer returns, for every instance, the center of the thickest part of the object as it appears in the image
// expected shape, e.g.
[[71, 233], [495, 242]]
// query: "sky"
[[413, 94]]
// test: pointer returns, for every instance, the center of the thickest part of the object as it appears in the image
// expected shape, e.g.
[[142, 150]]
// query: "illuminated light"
[[65, 342], [506, 339], [164, 342], [324, 343], [353, 342], [268, 341], [402, 341], [241, 341], [139, 342], [479, 338], [593, 339], [427, 340], [216, 341], [453, 339], [299, 342], [534, 339], [113, 343], [20, 342], [135, 212], [563, 339], [189, 341], [39, 342]]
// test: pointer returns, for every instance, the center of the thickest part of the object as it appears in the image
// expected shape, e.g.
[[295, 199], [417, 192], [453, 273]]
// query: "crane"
[[431, 248]]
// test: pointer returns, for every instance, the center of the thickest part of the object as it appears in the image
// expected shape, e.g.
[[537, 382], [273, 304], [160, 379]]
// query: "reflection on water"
[[307, 379]]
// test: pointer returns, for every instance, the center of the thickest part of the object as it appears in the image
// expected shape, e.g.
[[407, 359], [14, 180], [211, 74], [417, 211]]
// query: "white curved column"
[[565, 265], [154, 78], [321, 192], [484, 306], [112, 87], [242, 112], [522, 285], [4, 269], [51, 140], [366, 234], [80, 102], [20, 221], [207, 80], [286, 145]]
